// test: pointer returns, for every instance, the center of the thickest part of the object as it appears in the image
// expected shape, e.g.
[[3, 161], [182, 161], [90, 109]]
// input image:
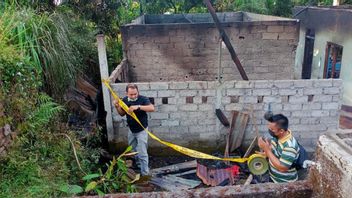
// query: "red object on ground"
[[215, 176]]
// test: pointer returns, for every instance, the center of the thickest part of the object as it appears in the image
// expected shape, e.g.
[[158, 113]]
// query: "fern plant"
[[45, 111]]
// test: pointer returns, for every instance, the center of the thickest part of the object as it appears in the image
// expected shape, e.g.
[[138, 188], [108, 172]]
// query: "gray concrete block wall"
[[190, 52], [189, 117]]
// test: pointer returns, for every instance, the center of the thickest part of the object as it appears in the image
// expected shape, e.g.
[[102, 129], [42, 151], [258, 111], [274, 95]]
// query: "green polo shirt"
[[287, 151]]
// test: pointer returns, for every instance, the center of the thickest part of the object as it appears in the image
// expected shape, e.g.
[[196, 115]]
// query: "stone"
[[7, 129]]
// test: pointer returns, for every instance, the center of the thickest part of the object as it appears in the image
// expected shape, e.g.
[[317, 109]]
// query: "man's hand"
[[132, 108], [118, 108], [116, 103], [264, 144], [275, 161]]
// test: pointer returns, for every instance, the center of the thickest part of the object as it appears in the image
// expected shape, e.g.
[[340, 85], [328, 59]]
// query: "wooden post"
[[226, 40], [104, 74]]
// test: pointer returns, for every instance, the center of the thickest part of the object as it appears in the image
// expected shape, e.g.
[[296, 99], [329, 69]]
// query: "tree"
[[283, 8]]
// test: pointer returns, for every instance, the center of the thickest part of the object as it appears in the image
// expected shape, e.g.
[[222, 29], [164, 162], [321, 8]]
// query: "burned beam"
[[174, 167], [226, 40], [301, 189], [220, 115]]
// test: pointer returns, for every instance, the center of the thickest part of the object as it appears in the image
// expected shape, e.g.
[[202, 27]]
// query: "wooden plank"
[[220, 115], [167, 184], [239, 129], [229, 135], [119, 72], [251, 146], [171, 183], [249, 180], [104, 74], [228, 141], [185, 173], [174, 167], [226, 40], [86, 87], [187, 182], [254, 141]]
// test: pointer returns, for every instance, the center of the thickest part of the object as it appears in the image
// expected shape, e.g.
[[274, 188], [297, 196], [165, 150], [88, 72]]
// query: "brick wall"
[[185, 111], [190, 52]]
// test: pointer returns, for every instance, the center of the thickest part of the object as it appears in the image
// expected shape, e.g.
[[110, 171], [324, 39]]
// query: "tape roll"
[[257, 164]]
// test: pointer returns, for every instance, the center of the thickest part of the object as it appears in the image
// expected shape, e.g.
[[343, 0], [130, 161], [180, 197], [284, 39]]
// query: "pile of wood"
[[188, 175], [80, 100], [173, 177]]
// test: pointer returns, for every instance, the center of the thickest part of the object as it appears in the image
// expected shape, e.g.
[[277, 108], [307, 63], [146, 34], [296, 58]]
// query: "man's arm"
[[276, 161], [266, 146], [119, 109], [146, 108]]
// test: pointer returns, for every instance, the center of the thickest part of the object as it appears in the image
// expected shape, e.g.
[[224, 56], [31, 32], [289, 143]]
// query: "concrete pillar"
[[104, 74]]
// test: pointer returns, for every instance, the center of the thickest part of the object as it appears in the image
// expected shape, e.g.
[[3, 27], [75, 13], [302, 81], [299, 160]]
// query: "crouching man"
[[137, 136], [282, 150]]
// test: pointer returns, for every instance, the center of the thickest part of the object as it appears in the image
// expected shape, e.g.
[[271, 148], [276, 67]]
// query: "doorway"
[[333, 58], [308, 54]]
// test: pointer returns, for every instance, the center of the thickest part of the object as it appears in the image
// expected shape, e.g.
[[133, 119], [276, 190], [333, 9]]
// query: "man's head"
[[278, 125], [132, 92]]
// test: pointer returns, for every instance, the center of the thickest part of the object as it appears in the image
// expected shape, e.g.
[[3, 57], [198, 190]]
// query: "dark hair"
[[280, 120], [131, 86]]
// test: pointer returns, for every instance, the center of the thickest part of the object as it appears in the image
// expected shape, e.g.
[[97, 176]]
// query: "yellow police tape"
[[181, 149]]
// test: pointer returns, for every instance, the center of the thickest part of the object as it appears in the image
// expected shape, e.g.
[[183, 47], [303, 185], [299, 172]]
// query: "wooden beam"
[[226, 40], [251, 146], [254, 141], [249, 180], [220, 115], [174, 167], [185, 173]]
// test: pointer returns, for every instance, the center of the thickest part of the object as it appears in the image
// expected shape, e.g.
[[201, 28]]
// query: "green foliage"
[[127, 11], [35, 48], [113, 180], [39, 5], [38, 161], [71, 189], [46, 110], [39, 165], [101, 13], [43, 40], [283, 8], [260, 6]]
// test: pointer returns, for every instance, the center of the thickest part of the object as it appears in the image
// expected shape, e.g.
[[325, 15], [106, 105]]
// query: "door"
[[308, 54]]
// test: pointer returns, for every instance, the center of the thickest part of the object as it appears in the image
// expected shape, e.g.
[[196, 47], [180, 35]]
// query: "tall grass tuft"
[[44, 39]]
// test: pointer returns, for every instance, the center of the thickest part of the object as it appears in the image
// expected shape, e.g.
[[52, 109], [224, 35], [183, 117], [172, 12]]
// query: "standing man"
[[282, 150], [137, 136]]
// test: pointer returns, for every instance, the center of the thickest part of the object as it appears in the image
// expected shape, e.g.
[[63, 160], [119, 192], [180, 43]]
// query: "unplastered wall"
[[193, 52], [185, 111]]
